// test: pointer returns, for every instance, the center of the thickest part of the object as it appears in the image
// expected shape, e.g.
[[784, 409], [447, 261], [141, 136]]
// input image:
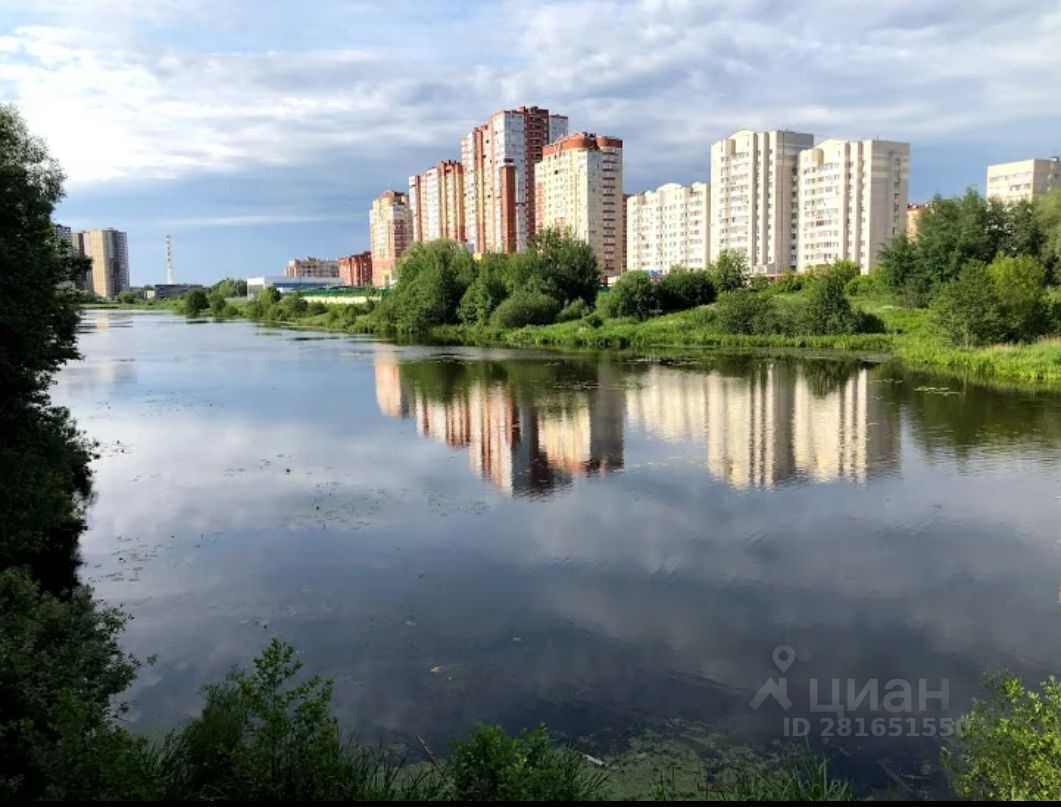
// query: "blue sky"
[[256, 131]]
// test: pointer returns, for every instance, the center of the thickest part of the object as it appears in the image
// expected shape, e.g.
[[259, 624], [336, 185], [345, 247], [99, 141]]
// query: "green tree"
[[730, 271], [1048, 214], [679, 290], [828, 310], [567, 266], [633, 295], [486, 291], [966, 310], [1019, 285], [899, 271], [526, 308], [432, 279], [195, 302]]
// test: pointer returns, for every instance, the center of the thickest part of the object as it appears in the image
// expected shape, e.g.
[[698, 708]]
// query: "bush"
[[828, 310], [788, 283], [681, 290], [195, 302], [492, 766], [633, 295], [576, 309], [966, 310], [861, 286], [1011, 746], [484, 294], [1019, 285], [746, 311], [526, 308]]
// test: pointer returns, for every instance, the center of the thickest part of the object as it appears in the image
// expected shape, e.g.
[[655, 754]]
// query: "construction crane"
[[169, 262]]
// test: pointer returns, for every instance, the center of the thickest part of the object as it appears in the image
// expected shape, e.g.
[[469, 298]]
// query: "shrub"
[[576, 309], [493, 766], [633, 295], [681, 290], [788, 283], [861, 285], [316, 308], [484, 295], [966, 310], [746, 311], [195, 302], [1019, 284], [828, 310], [526, 308], [1010, 748]]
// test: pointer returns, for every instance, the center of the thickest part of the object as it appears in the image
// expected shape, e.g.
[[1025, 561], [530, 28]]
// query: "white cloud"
[[155, 90]]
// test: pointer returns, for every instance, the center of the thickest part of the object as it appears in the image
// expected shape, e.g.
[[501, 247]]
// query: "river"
[[598, 542]]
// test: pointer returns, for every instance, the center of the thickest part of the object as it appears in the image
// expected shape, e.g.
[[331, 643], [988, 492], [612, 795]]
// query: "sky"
[[255, 131]]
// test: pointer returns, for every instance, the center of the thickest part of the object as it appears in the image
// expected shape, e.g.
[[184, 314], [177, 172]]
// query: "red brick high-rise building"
[[436, 199]]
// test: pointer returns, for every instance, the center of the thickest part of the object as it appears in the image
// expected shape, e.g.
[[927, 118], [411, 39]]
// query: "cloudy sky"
[[257, 130]]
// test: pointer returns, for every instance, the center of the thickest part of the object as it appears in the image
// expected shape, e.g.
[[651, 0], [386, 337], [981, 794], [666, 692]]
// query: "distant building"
[[1023, 180], [108, 250], [499, 185], [356, 270], [167, 291], [913, 218], [391, 231], [284, 284], [753, 204], [668, 227], [436, 201], [312, 267], [579, 189], [852, 200]]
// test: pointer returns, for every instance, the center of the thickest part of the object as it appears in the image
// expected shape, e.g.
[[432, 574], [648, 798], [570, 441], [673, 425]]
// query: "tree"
[[195, 302], [633, 295], [730, 271], [899, 270], [567, 265], [966, 309], [828, 309], [432, 279], [1048, 213], [746, 311], [1019, 284], [486, 291], [682, 289]]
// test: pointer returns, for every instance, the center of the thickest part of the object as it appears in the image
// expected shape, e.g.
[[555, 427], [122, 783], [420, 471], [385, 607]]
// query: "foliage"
[[526, 307], [37, 319], [1019, 285], [229, 287], [828, 309], [432, 279], [60, 665], [798, 777], [486, 291], [788, 283], [1010, 748], [576, 309], [195, 302], [261, 737], [633, 295], [681, 290], [493, 766], [563, 267], [744, 311], [730, 271], [1048, 215], [966, 309], [130, 296], [862, 286]]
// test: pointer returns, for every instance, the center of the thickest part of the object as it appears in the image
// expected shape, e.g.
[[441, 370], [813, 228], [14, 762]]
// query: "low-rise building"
[[1023, 180], [284, 284], [167, 291], [312, 267]]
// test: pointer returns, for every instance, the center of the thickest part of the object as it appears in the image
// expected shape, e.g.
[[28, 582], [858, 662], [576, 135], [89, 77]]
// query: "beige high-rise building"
[[669, 226], [391, 233], [913, 218], [1023, 180], [498, 159], [109, 253], [579, 189], [852, 200], [436, 200], [753, 197]]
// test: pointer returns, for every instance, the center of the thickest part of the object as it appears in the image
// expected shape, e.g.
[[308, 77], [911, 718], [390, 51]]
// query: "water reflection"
[[531, 429]]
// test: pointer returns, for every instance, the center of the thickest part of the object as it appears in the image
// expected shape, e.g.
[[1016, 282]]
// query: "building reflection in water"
[[531, 427]]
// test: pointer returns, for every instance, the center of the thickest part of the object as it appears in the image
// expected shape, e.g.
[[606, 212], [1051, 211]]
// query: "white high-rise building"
[[852, 200], [669, 226], [1023, 180], [436, 200], [753, 197], [579, 189]]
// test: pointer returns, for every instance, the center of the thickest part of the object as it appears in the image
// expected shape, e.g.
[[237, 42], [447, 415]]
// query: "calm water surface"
[[602, 543]]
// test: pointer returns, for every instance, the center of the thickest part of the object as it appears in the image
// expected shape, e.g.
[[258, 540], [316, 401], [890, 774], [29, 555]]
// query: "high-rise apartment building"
[[852, 200], [669, 226], [753, 197], [109, 252], [579, 188], [312, 267], [498, 159], [356, 270], [436, 200], [1023, 180], [913, 218], [391, 233]]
